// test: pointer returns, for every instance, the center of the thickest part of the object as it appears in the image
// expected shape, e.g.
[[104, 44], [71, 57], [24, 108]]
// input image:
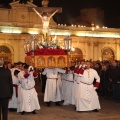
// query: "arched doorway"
[[108, 54], [5, 53], [76, 55]]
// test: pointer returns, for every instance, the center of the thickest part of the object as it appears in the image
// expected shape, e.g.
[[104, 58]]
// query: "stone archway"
[[5, 53], [108, 54], [76, 55]]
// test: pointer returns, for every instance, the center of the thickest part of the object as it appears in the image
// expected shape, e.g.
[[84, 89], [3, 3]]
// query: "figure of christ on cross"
[[43, 13], [45, 19]]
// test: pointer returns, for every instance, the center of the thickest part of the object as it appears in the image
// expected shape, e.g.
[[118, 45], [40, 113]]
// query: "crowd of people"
[[79, 85], [17, 89]]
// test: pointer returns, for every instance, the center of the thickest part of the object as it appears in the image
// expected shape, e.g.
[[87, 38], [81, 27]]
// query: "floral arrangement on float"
[[48, 51], [47, 54]]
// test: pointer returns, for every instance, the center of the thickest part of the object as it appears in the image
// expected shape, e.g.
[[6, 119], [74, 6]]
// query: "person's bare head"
[[88, 64], [9, 65], [82, 62]]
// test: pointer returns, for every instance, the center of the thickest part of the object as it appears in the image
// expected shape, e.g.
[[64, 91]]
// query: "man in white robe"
[[13, 103], [64, 84], [28, 99], [87, 99], [75, 84], [76, 81], [69, 88], [52, 90], [60, 82], [16, 67]]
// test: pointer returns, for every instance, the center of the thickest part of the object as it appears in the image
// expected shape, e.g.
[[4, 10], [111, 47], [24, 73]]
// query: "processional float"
[[47, 53]]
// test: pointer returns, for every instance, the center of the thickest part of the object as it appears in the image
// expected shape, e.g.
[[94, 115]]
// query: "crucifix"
[[45, 13]]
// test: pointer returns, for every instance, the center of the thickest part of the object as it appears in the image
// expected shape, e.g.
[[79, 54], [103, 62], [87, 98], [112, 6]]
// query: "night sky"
[[71, 9]]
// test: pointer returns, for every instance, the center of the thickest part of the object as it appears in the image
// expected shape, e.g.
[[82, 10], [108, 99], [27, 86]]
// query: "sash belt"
[[16, 89], [27, 89], [85, 83], [68, 80], [52, 78]]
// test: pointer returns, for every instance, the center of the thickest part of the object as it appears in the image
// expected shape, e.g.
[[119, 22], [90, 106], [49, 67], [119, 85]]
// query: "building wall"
[[91, 46]]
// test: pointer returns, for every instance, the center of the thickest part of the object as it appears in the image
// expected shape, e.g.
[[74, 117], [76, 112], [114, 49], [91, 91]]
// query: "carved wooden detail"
[[49, 61]]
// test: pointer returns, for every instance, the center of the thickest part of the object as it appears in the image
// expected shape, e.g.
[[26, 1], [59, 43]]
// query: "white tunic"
[[64, 83], [60, 82], [69, 88], [28, 99], [87, 99], [52, 90], [74, 91], [13, 103]]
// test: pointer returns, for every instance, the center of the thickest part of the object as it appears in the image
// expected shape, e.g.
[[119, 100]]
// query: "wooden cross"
[[45, 19], [45, 8]]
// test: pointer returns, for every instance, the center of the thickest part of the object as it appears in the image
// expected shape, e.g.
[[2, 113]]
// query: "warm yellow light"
[[98, 34], [10, 30], [66, 33], [93, 28], [33, 32], [72, 49], [97, 27]]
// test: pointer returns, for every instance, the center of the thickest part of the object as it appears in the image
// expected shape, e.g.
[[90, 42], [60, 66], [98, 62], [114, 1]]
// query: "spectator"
[[6, 90]]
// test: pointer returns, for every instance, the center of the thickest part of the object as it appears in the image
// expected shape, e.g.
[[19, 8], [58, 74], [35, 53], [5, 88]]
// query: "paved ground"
[[109, 111]]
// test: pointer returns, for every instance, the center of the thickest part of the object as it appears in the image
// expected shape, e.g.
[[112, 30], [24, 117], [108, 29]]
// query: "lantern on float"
[[67, 43]]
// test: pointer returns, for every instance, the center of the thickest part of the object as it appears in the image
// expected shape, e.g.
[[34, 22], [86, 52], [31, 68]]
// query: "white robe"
[[74, 91], [28, 99], [13, 103], [52, 89], [63, 86], [87, 99], [69, 88], [60, 82]]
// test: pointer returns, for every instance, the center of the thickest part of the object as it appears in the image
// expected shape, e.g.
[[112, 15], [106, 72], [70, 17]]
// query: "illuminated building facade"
[[17, 23]]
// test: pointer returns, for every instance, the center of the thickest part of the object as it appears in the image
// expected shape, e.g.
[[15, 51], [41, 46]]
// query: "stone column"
[[117, 49], [92, 51], [95, 51]]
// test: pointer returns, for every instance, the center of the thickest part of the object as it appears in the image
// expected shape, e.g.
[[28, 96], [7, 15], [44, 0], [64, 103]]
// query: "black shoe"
[[22, 113], [58, 104], [12, 109], [48, 104], [95, 110], [34, 112]]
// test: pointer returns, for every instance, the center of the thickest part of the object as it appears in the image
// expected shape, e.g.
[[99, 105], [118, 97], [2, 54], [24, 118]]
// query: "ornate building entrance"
[[76, 55], [108, 54], [5, 53]]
